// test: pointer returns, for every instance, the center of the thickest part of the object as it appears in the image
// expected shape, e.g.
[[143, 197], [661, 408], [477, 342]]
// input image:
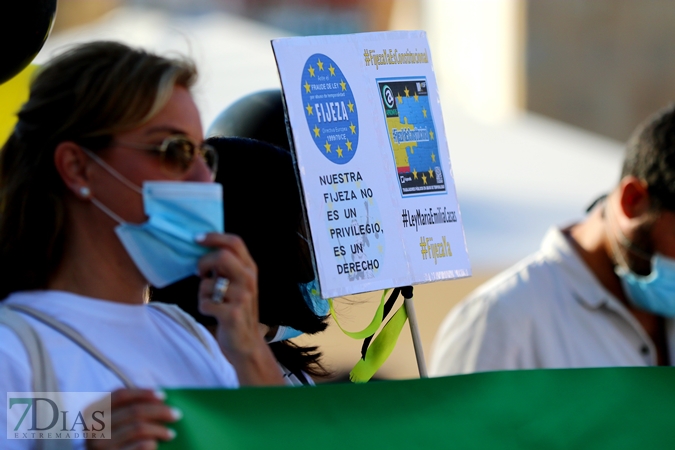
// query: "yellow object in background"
[[13, 94]]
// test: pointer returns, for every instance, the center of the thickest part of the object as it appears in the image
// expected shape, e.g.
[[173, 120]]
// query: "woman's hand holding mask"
[[237, 314]]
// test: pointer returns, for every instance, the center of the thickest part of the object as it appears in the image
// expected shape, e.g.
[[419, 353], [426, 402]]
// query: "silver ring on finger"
[[219, 290]]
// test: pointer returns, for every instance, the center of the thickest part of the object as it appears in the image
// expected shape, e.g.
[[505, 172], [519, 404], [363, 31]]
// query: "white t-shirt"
[[548, 311], [146, 345]]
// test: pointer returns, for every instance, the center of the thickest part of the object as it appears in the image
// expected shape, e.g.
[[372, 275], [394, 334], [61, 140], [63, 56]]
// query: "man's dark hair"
[[650, 156]]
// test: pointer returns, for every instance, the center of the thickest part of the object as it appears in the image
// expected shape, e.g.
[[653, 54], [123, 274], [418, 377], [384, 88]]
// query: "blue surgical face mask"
[[654, 292], [310, 292], [285, 333], [164, 248], [319, 306]]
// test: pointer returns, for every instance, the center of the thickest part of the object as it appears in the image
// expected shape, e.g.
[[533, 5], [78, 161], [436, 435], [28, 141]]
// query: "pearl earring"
[[85, 192]]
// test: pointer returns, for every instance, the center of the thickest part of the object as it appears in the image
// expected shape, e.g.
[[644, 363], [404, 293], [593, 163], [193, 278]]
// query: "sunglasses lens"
[[178, 154]]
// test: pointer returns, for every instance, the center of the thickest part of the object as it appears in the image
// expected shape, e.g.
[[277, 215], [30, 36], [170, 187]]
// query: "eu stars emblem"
[[330, 109]]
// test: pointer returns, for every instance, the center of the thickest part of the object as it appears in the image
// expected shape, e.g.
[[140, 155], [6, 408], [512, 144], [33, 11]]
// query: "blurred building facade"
[[299, 17], [603, 65]]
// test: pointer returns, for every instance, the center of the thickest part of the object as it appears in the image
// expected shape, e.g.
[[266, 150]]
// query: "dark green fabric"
[[626, 408]]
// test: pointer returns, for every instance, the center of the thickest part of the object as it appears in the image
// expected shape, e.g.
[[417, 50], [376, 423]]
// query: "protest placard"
[[373, 160]]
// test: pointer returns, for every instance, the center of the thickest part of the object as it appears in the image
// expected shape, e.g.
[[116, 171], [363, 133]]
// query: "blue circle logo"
[[330, 109]]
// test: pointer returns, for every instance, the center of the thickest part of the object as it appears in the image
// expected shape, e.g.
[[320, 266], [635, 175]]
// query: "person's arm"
[[238, 332]]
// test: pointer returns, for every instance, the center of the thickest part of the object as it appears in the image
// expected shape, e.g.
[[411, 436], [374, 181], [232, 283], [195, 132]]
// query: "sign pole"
[[415, 331]]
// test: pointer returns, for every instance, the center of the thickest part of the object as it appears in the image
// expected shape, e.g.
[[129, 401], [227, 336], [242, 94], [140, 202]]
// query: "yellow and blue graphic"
[[330, 109], [412, 135]]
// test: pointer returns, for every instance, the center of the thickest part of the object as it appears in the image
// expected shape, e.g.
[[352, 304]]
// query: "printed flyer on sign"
[[373, 159]]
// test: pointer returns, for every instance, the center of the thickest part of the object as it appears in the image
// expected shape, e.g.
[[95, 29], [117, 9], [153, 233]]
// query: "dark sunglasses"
[[177, 153]]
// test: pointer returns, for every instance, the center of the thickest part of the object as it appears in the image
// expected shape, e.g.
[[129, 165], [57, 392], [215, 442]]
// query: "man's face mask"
[[164, 248], [654, 292]]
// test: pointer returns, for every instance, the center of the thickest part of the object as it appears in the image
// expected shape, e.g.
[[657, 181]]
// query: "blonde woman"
[[96, 187]]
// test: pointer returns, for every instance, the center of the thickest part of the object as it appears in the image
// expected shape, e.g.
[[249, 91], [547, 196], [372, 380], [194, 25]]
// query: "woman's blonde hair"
[[85, 95]]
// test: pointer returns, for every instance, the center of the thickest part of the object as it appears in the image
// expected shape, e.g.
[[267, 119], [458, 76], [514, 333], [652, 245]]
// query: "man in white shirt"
[[598, 293]]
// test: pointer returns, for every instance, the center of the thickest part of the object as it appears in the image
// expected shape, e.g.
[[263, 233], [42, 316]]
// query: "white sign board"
[[373, 159]]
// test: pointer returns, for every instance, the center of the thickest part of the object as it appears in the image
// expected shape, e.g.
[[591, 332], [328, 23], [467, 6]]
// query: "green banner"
[[613, 408]]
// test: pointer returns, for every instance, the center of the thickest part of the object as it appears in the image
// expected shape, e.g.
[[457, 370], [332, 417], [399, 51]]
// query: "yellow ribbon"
[[370, 329], [380, 349]]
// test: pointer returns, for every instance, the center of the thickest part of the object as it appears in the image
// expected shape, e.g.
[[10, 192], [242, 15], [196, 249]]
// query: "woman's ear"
[[72, 164]]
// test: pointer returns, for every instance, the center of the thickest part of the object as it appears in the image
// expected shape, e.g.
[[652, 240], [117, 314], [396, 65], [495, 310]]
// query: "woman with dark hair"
[[262, 205], [106, 187]]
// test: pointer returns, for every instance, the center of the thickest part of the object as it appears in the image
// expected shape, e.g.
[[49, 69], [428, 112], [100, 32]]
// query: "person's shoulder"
[[522, 288], [203, 339], [16, 377], [14, 360], [178, 318], [12, 346], [491, 329], [510, 302]]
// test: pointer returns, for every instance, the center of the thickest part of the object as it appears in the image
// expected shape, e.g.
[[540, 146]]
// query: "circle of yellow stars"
[[310, 109]]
